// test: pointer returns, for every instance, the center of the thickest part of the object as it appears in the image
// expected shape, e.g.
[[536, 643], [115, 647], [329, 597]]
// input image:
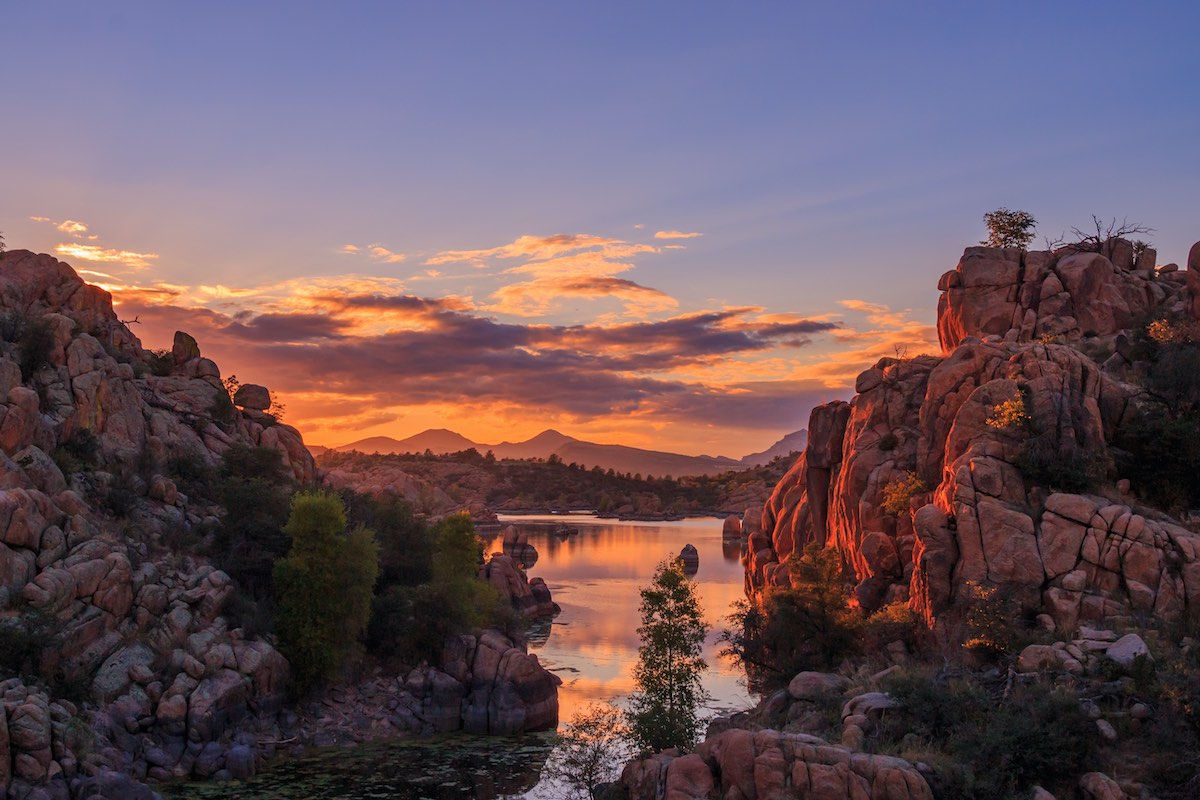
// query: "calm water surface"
[[592, 645]]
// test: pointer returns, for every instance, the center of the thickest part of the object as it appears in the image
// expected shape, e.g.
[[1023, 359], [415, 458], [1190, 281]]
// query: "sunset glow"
[[678, 235]]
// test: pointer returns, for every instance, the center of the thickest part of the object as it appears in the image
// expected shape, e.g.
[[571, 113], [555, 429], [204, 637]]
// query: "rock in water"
[[689, 559]]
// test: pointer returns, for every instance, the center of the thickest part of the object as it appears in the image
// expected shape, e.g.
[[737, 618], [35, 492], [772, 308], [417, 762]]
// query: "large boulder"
[[252, 396]]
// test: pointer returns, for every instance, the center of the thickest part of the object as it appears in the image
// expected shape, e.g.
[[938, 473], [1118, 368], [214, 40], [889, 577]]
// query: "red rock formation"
[[1007, 321]]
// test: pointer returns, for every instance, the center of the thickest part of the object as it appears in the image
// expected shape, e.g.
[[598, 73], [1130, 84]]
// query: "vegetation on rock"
[[1009, 228], [324, 587]]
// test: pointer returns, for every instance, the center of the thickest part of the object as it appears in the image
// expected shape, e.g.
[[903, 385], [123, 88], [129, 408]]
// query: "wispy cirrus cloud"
[[93, 252], [676, 235], [534, 298], [105, 255], [374, 251], [528, 247]]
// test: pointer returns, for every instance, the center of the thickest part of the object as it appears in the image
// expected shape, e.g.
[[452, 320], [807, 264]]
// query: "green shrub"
[[413, 621], [1042, 462], [898, 494], [22, 639], [806, 626], [254, 487], [221, 409], [160, 362], [990, 615], [121, 494], [192, 473], [12, 326], [888, 442], [994, 747], [406, 543], [324, 588], [35, 346]]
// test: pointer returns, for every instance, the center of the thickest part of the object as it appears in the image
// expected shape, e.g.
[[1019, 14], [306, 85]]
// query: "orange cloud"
[[536, 297], [531, 247], [676, 235], [91, 252]]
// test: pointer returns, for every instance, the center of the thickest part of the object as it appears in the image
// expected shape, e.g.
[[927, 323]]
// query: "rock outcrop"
[[766, 763], [530, 597], [1045, 334], [92, 427]]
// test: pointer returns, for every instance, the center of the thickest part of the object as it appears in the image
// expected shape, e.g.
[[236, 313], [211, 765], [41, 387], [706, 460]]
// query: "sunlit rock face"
[[1049, 333]]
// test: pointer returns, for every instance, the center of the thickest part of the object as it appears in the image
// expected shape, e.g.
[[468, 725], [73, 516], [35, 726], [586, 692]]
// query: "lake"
[[596, 575], [592, 645]]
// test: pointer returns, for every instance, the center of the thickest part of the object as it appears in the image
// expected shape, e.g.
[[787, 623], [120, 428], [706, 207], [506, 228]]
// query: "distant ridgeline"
[[467, 481]]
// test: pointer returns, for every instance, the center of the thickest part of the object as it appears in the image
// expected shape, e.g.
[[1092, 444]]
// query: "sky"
[[669, 225]]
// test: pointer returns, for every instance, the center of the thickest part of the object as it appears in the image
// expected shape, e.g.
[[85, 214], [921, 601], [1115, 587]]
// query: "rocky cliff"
[[118, 615], [1045, 336], [991, 470]]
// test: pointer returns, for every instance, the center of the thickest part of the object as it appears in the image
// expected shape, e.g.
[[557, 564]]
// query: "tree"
[[591, 749], [1, 245], [806, 626], [324, 587], [663, 712], [1009, 228]]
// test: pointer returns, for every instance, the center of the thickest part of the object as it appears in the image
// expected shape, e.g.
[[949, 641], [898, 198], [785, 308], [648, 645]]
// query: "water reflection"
[[596, 577], [733, 549]]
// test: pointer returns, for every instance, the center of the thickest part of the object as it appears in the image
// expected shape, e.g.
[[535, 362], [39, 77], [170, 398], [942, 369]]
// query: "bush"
[[807, 626], [22, 639], [194, 476], [994, 748], [221, 409], [406, 543], [324, 588], [990, 615], [898, 494], [888, 442], [1010, 416], [1041, 462], [255, 488], [79, 453], [1009, 228], [160, 362], [35, 346], [121, 495], [413, 621]]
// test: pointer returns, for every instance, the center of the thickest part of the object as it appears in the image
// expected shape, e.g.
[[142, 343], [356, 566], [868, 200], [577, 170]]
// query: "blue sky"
[[827, 155]]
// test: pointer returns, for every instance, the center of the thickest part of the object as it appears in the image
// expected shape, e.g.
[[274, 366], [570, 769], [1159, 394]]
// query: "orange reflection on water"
[[596, 576]]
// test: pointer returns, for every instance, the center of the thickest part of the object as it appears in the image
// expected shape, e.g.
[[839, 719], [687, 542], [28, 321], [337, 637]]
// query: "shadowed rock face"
[[1012, 325], [139, 627]]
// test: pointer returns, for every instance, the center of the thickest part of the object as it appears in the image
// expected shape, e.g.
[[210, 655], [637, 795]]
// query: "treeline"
[[557, 486]]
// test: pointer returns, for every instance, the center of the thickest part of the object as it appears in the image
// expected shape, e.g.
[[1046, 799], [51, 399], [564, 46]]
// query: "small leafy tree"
[[1, 245], [591, 749], [324, 587], [663, 712], [899, 493], [1009, 228]]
